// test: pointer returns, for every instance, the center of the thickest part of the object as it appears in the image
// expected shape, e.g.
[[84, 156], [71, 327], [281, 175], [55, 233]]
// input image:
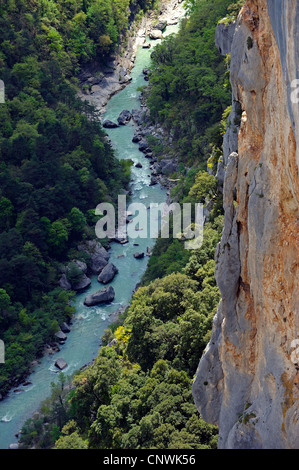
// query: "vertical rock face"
[[248, 379]]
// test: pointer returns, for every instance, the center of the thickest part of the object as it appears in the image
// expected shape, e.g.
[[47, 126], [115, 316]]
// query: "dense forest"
[[190, 86], [137, 393], [55, 162]]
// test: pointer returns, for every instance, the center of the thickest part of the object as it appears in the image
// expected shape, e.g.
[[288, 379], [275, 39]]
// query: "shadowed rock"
[[109, 124], [60, 364]]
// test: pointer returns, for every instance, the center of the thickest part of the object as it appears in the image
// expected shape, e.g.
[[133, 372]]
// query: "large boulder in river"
[[105, 295], [156, 34], [109, 124], [60, 335], [98, 262], [124, 117], [161, 25], [108, 273], [139, 255], [60, 364]]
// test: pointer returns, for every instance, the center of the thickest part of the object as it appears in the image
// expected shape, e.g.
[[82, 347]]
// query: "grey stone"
[[107, 124], [144, 147], [80, 265], [137, 138], [93, 247], [108, 273], [98, 255], [65, 328], [224, 37], [98, 262], [13, 446], [124, 117], [61, 363], [121, 241], [138, 116], [60, 335], [220, 175], [105, 295], [64, 283], [153, 181], [161, 25]]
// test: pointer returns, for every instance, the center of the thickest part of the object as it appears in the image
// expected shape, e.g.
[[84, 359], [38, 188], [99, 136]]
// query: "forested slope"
[[189, 81], [55, 164]]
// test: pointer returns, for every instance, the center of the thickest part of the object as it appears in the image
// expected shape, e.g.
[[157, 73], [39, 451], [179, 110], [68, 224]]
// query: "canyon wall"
[[247, 381]]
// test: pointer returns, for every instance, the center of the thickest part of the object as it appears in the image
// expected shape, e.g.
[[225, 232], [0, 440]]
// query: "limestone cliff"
[[248, 379]]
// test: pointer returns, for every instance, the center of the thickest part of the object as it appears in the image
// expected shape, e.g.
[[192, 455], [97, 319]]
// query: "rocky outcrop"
[[79, 285], [247, 381], [98, 255], [60, 335], [224, 36]]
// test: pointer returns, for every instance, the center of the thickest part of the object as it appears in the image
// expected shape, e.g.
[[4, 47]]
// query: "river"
[[89, 323]]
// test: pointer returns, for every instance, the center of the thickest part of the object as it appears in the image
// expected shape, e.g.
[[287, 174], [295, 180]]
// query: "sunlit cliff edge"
[[247, 381]]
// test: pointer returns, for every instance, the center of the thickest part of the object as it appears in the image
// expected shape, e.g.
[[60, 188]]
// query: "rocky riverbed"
[[101, 81]]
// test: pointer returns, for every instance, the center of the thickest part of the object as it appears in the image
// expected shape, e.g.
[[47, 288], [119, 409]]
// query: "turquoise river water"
[[89, 323]]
